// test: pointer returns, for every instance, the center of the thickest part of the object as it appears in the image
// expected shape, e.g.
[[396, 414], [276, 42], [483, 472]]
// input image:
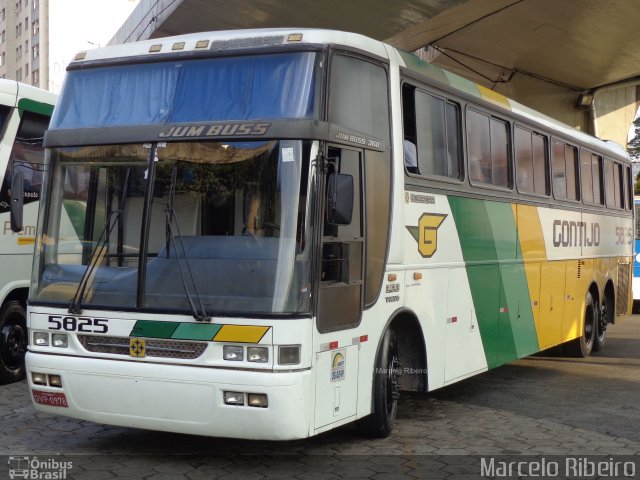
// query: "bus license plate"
[[53, 399]]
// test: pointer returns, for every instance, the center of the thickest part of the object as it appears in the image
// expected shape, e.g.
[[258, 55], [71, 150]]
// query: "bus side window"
[[531, 161], [564, 163]]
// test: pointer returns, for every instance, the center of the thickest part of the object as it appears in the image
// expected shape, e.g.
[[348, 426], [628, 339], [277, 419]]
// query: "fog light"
[[258, 400], [59, 340], [289, 355], [39, 378], [234, 398], [41, 339], [55, 381], [258, 354], [233, 353]]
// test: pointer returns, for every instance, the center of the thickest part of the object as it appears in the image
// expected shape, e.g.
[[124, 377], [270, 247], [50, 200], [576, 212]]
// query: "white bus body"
[[232, 245]]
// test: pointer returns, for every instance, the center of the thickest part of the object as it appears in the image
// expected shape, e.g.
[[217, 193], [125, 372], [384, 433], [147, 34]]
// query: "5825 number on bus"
[[78, 324]]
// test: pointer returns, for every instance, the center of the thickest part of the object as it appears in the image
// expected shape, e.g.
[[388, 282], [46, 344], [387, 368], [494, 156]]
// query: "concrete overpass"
[[547, 54]]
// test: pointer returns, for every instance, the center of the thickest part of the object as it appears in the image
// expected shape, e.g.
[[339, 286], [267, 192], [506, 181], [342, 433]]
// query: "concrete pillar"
[[614, 109]]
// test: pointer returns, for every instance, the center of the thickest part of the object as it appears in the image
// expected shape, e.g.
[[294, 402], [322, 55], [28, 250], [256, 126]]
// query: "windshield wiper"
[[75, 304], [170, 215]]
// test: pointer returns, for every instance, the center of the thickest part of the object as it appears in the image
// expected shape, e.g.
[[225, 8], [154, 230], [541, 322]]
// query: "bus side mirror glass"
[[17, 200], [339, 199]]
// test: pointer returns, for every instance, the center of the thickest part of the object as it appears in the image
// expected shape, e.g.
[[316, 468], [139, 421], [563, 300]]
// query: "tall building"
[[23, 40], [38, 38]]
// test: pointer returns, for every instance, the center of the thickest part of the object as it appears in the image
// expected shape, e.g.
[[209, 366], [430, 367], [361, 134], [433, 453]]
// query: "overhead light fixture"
[[585, 100]]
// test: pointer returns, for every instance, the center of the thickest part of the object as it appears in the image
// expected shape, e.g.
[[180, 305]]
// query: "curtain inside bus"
[[247, 87]]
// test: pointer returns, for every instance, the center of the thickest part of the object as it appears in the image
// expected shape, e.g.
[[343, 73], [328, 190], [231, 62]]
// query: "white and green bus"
[[267, 234], [24, 116]]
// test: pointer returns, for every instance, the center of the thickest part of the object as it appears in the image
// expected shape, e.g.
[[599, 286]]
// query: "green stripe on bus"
[[196, 331], [518, 320], [153, 329], [485, 240], [35, 107], [414, 63]]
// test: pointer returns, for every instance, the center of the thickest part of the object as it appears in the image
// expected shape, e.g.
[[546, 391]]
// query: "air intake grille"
[[622, 298], [154, 347]]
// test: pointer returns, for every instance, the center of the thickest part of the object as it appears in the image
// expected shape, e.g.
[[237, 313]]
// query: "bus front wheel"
[[13, 342], [386, 389], [581, 347]]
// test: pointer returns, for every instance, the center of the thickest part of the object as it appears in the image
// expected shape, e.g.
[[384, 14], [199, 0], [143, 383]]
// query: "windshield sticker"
[[287, 155]]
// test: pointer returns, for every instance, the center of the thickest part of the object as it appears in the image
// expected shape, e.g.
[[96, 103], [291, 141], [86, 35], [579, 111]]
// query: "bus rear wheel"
[[13, 342], [581, 347], [386, 390]]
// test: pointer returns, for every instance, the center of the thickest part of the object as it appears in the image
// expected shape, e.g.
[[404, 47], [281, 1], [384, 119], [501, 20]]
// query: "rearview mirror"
[[339, 199], [17, 200]]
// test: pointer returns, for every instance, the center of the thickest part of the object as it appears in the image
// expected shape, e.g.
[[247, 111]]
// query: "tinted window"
[[488, 146], [540, 164], [358, 98], [586, 176], [432, 134], [564, 167], [596, 175], [617, 185], [531, 161], [609, 183], [437, 131], [377, 180]]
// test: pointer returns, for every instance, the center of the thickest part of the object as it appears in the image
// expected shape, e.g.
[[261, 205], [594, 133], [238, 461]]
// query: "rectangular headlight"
[[234, 398], [60, 340], [41, 339], [258, 354], [55, 381], [258, 400], [289, 355], [233, 353], [39, 378]]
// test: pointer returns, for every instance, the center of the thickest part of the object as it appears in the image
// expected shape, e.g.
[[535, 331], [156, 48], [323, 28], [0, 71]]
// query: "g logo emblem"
[[426, 233]]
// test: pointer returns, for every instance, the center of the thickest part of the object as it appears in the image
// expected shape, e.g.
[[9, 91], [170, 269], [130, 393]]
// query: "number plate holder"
[[53, 399]]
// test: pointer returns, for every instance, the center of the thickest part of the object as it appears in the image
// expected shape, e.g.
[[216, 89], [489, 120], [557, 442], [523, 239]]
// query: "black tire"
[[386, 390], [13, 342], [581, 347], [604, 318]]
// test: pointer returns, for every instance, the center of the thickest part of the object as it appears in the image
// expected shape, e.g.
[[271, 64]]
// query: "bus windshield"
[[221, 224]]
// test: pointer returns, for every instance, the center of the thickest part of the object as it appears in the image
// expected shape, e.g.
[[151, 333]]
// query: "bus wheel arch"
[[400, 350]]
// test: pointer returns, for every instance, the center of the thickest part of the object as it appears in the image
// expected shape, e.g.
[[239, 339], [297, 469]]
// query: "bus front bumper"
[[173, 398]]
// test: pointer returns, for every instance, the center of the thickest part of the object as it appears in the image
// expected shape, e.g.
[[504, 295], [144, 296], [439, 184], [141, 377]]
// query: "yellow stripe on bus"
[[534, 253], [494, 97], [240, 333]]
